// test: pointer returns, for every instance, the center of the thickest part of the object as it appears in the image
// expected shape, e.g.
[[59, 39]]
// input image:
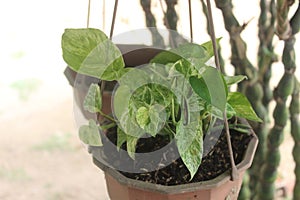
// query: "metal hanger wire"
[[234, 171]]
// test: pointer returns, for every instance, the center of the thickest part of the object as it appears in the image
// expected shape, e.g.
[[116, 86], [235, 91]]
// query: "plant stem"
[[107, 116], [108, 126], [173, 112]]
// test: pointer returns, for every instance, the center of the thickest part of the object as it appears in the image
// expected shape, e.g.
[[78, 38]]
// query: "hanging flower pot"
[[167, 119]]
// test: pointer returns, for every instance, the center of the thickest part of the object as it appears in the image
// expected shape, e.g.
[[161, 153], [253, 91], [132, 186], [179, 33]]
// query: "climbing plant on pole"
[[295, 110], [151, 22], [252, 88], [286, 30]]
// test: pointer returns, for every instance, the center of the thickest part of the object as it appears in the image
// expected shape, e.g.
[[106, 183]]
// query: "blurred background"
[[41, 156]]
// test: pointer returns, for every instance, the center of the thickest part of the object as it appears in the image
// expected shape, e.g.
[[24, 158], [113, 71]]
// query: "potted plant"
[[165, 138]]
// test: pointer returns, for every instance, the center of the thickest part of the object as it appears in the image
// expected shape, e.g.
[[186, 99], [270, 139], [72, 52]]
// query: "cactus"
[[295, 106], [171, 15], [238, 47], [151, 22], [171, 19], [253, 88], [245, 192], [284, 89], [295, 131], [266, 56]]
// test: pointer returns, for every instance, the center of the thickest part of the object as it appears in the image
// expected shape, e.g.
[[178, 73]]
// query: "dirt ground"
[[42, 157]]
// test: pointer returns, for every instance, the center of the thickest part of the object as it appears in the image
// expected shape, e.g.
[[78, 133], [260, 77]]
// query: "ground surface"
[[42, 158]]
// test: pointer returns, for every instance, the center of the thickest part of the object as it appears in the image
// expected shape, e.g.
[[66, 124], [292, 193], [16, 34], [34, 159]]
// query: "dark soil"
[[166, 167]]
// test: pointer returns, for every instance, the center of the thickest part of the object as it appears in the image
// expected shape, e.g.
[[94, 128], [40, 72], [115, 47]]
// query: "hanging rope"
[[88, 14], [113, 19], [103, 15], [191, 21], [234, 171]]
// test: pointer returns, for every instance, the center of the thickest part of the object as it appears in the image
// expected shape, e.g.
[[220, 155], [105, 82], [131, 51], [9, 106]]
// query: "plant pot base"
[[220, 188], [229, 190]]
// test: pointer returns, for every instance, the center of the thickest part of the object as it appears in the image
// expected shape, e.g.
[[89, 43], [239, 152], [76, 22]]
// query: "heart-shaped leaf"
[[230, 80], [93, 99], [88, 51], [142, 117], [89, 134], [122, 137], [242, 106], [190, 146]]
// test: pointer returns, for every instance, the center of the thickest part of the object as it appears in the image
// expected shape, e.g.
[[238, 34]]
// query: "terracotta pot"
[[220, 188]]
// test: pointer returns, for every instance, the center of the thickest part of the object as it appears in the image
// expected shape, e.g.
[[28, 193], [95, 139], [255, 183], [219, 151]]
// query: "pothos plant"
[[176, 95]]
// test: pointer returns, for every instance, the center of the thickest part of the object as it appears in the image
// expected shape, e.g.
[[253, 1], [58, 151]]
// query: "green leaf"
[[185, 68], [193, 53], [209, 47], [88, 51], [89, 134], [93, 99], [122, 137], [121, 96], [190, 146], [157, 116], [130, 126], [142, 117], [200, 88], [151, 119], [242, 106], [242, 128], [230, 80], [211, 88], [217, 89], [131, 145], [230, 111], [166, 57], [114, 71]]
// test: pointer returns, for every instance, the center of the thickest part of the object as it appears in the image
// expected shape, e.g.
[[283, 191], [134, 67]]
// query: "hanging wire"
[[191, 21], [113, 19], [212, 35], [103, 14], [234, 171], [88, 14]]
